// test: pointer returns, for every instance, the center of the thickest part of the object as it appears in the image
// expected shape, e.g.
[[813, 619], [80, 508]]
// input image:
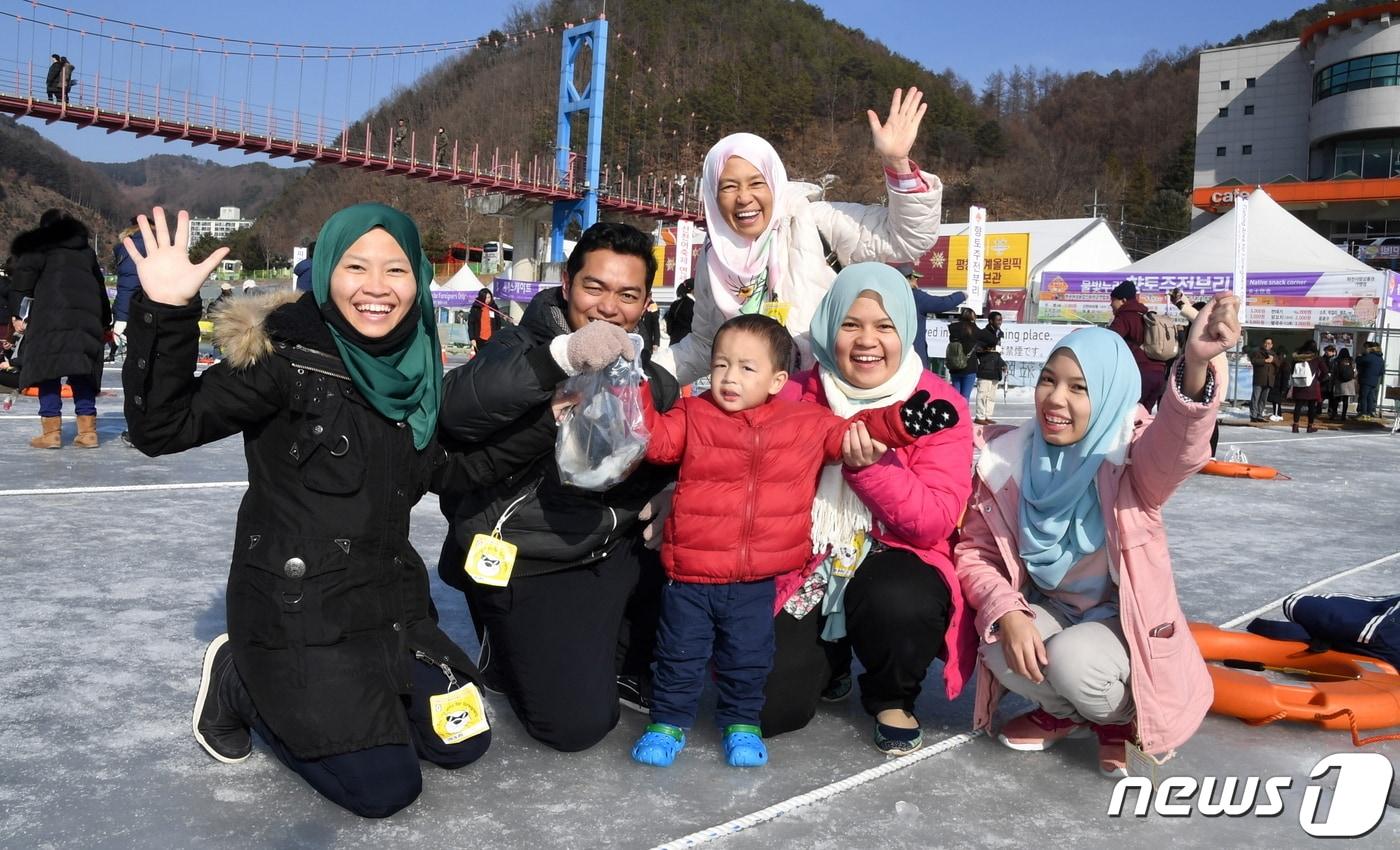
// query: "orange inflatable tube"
[[1337, 690], [33, 392], [1241, 470]]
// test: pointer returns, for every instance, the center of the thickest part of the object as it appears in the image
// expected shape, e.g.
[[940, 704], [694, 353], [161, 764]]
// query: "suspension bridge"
[[154, 81]]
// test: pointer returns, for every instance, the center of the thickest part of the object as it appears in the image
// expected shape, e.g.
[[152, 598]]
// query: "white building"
[[230, 220]]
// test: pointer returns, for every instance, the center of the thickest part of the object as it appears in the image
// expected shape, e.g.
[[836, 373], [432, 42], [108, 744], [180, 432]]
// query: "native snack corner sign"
[[1005, 262], [1275, 299]]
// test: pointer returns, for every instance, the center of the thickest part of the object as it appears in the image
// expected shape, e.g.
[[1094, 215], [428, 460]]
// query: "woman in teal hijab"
[[882, 584], [1064, 558], [333, 653]]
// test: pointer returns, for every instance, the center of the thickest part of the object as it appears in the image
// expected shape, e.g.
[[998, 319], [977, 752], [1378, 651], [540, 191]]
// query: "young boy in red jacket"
[[741, 515]]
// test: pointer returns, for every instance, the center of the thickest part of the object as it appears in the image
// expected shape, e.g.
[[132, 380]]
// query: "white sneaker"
[[1275, 418]]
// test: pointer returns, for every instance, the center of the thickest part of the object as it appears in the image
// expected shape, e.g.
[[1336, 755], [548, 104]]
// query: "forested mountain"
[[1026, 143]]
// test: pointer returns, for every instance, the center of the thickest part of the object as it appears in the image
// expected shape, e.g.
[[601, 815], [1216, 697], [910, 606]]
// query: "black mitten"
[[922, 418]]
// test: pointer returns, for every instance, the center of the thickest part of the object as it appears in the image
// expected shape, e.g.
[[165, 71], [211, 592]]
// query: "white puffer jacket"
[[899, 233]]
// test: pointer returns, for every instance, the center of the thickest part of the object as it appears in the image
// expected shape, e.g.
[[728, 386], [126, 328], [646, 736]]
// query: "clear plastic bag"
[[604, 436]]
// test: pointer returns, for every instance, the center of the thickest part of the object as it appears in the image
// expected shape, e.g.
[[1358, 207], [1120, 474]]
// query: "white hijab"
[[734, 260]]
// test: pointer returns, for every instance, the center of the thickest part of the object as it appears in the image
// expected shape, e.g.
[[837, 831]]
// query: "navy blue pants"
[[84, 396], [379, 781], [733, 623]]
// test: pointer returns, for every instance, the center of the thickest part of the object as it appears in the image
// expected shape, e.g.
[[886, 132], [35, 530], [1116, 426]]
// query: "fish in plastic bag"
[[603, 437]]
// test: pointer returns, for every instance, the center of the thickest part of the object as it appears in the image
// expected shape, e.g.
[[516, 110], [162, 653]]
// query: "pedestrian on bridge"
[[401, 139], [770, 238], [442, 150], [53, 80], [333, 652]]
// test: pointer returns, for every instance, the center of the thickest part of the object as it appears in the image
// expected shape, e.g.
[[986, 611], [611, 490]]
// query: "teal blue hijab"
[[894, 292], [404, 383], [1061, 518]]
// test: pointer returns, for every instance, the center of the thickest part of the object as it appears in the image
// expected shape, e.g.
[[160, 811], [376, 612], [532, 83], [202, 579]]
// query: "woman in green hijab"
[[333, 653]]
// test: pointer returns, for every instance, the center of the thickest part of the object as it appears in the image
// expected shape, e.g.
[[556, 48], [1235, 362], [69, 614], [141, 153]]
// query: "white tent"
[[464, 279], [1296, 278]]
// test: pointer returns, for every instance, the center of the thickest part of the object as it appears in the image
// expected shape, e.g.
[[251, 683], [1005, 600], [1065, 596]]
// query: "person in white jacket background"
[[765, 251]]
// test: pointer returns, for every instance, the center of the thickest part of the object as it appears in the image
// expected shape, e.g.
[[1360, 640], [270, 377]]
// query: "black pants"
[[1343, 400], [378, 781], [551, 642], [1314, 407], [897, 610]]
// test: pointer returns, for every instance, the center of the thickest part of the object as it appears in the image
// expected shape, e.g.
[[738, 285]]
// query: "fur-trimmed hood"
[[64, 233], [245, 326]]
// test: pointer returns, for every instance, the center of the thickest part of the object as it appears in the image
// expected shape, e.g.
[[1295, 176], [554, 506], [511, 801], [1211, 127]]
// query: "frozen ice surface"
[[110, 598]]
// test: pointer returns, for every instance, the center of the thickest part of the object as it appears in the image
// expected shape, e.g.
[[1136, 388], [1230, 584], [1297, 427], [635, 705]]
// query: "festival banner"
[[976, 257], [521, 291], [454, 298], [1005, 264], [1276, 299], [1030, 343]]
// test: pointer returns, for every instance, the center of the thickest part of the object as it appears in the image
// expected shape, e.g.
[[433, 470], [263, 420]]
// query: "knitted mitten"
[[922, 418], [596, 345]]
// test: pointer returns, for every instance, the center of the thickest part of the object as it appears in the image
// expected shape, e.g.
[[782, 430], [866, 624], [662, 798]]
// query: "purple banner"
[[454, 298], [1393, 287], [1095, 286], [520, 290]]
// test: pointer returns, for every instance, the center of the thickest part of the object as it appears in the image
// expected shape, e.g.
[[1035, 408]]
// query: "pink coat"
[[1170, 684], [916, 496]]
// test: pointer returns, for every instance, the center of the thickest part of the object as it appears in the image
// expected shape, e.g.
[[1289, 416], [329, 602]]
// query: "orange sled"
[[1242, 470], [1341, 691]]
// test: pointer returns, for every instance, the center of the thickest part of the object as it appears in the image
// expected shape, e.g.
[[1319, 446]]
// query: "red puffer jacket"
[[743, 504]]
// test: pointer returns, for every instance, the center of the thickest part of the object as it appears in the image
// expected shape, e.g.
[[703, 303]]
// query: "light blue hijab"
[[854, 279], [1061, 519]]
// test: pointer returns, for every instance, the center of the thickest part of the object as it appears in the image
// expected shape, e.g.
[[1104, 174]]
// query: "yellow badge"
[[490, 560], [458, 715], [844, 562], [777, 310]]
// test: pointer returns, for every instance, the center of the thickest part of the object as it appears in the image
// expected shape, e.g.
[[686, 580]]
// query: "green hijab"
[[404, 384]]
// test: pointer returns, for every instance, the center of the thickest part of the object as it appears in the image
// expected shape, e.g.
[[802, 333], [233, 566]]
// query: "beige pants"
[[1087, 677], [986, 402]]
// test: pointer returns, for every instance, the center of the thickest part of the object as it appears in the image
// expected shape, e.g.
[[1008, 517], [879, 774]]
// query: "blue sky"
[[973, 39]]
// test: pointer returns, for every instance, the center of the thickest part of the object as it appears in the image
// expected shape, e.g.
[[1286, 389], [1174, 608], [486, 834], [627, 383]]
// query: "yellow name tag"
[[777, 310], [845, 563], [458, 715], [490, 560]]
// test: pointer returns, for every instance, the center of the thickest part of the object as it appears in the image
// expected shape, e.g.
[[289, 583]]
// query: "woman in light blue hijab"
[[1064, 557]]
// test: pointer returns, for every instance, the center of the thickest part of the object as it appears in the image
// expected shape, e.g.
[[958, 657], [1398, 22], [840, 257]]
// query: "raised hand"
[[922, 418], [895, 137], [1216, 328], [166, 273]]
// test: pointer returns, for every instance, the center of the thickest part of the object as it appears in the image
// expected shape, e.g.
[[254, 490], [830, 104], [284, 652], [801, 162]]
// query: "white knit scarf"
[[837, 513]]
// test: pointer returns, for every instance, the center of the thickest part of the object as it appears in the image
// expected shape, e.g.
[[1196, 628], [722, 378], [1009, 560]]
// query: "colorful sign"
[[1241, 279], [1005, 263], [521, 291], [1011, 303], [1393, 302], [1025, 347], [1276, 300], [976, 257]]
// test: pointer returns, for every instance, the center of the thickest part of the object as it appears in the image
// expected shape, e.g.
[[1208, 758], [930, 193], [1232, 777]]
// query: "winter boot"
[[87, 433], [223, 710], [51, 438]]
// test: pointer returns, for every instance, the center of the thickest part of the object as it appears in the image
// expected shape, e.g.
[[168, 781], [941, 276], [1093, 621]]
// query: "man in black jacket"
[[553, 639]]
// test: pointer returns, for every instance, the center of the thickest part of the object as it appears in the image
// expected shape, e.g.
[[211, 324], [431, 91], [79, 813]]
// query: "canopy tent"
[[464, 279], [1296, 277]]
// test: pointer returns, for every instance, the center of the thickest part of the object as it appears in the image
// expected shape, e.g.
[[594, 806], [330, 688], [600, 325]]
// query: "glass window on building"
[[1249, 109], [1247, 150], [1348, 160], [1375, 160], [1220, 151], [1224, 112], [1249, 82], [1364, 72], [1224, 85]]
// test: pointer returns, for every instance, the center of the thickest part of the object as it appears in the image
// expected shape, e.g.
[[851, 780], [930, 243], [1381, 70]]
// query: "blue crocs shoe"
[[659, 745], [743, 746]]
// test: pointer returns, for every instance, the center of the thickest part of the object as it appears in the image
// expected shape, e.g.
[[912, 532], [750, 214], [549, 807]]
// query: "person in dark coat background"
[[333, 651], [128, 283], [1128, 322], [483, 319], [68, 320], [681, 312], [965, 333], [53, 80], [1370, 371], [302, 272], [650, 327], [1309, 396], [926, 304]]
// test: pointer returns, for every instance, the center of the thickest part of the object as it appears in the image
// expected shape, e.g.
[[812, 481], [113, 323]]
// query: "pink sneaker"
[[1113, 754], [1039, 730]]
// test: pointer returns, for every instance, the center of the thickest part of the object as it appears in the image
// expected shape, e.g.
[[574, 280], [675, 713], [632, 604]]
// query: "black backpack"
[[1345, 371]]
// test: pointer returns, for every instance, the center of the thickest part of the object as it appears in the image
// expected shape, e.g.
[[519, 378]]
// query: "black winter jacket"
[[71, 313], [495, 412], [328, 603]]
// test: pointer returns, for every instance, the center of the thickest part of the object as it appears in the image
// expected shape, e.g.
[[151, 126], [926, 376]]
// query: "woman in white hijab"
[[769, 239]]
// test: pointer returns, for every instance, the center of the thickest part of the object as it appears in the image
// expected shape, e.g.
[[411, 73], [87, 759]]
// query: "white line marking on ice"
[[1303, 439], [893, 765], [127, 488]]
